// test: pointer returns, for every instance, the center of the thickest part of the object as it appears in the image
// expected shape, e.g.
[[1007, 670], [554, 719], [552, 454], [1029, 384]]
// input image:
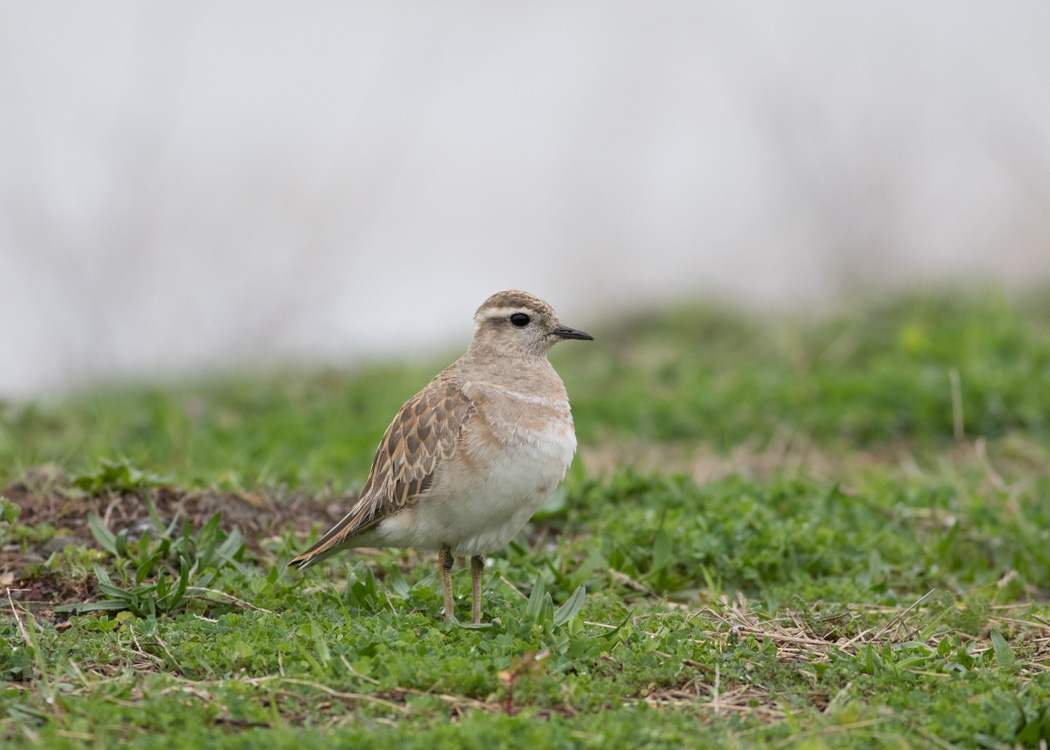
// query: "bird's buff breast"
[[499, 479]]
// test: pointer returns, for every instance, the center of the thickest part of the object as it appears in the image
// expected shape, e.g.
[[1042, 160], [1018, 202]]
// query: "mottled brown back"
[[425, 432]]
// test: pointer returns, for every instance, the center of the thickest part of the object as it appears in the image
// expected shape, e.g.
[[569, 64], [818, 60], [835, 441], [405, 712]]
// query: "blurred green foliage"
[[864, 377], [868, 376]]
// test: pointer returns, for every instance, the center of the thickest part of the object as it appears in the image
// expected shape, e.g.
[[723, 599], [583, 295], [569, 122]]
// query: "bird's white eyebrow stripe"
[[502, 312]]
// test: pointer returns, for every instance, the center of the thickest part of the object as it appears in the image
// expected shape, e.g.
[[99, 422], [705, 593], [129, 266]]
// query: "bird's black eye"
[[519, 319]]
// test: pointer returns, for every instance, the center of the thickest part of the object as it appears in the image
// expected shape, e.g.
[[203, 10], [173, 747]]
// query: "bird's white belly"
[[486, 501]]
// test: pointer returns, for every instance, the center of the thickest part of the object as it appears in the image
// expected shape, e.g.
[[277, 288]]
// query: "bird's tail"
[[333, 541], [325, 548]]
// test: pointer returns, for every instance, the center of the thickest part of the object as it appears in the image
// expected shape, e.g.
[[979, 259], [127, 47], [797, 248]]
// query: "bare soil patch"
[[46, 498]]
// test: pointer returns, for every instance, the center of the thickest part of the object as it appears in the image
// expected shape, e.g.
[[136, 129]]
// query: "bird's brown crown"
[[511, 300]]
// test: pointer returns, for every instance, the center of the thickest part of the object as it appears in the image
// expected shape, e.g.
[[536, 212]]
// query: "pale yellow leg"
[[477, 564], [445, 565]]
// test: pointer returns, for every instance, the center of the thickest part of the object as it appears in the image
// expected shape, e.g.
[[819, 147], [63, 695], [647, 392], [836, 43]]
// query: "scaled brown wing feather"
[[425, 432]]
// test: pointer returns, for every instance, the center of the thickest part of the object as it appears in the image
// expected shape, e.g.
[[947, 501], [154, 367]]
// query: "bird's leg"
[[477, 564], [445, 565]]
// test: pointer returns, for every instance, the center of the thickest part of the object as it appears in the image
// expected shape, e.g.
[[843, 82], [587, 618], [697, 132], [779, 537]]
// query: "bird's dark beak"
[[564, 332]]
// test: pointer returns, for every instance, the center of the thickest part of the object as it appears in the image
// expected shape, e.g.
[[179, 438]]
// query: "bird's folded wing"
[[424, 433]]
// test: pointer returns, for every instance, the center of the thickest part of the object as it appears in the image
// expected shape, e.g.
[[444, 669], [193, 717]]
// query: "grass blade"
[[534, 609], [106, 538], [1004, 655], [571, 607]]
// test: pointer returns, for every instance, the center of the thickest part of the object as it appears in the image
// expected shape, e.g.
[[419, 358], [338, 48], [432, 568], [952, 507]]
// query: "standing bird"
[[470, 458]]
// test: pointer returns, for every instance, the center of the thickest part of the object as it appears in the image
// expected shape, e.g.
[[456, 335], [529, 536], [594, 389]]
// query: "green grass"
[[872, 377], [806, 555]]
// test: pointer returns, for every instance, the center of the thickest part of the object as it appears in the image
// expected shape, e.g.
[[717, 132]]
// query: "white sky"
[[199, 185]]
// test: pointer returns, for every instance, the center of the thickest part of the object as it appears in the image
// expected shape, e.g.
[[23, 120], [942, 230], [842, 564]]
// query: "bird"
[[468, 460]]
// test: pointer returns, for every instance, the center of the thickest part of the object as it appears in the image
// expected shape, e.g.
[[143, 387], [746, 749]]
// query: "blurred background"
[[197, 186]]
